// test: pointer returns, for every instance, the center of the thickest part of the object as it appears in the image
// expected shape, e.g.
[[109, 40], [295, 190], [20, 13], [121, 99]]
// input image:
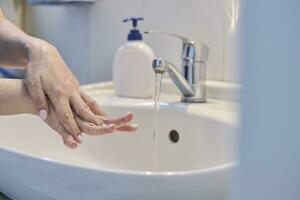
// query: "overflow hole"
[[174, 136]]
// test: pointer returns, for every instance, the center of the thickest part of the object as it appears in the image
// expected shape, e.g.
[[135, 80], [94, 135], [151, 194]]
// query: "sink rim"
[[215, 108], [222, 90], [227, 116], [222, 116], [224, 166]]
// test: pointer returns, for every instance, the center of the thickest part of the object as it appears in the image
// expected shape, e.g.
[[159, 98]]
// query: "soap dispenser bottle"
[[132, 72]]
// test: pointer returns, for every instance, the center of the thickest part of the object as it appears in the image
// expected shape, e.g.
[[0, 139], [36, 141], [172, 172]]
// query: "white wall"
[[88, 36], [67, 28]]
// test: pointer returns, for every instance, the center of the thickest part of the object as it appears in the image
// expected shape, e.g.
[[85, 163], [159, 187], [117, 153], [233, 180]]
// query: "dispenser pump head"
[[134, 33]]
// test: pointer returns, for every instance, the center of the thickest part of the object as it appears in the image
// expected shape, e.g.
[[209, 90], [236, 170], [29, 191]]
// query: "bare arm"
[[47, 78], [14, 98], [52, 88], [15, 45]]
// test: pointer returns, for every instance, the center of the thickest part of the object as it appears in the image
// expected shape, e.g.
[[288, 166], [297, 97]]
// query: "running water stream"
[[158, 78]]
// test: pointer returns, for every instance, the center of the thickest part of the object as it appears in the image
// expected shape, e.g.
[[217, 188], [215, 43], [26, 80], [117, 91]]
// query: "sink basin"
[[197, 164]]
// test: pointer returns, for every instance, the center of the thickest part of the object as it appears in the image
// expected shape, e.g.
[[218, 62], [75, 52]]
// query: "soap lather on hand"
[[50, 89]]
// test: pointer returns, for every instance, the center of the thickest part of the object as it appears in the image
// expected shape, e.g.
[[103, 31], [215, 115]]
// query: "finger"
[[68, 139], [120, 120], [83, 110], [92, 129], [92, 104], [36, 93], [64, 112], [128, 127]]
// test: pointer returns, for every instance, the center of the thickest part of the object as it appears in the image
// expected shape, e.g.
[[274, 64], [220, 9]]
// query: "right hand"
[[59, 100], [48, 77], [107, 126]]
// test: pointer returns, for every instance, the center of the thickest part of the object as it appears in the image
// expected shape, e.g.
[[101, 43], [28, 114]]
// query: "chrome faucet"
[[194, 56]]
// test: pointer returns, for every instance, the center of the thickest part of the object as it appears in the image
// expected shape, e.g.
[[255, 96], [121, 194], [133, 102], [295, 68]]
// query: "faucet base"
[[193, 100]]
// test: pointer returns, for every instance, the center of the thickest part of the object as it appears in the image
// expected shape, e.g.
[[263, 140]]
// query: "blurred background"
[[14, 10], [88, 35]]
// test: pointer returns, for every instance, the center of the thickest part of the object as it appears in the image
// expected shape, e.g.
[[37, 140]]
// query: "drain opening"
[[174, 136]]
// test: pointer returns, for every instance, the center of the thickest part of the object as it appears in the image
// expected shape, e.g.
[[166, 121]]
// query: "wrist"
[[35, 49], [32, 46]]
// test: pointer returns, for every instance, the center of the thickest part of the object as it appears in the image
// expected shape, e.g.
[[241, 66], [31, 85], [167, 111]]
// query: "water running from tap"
[[158, 78]]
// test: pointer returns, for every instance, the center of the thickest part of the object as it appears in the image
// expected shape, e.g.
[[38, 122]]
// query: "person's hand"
[[107, 126], [47, 76], [52, 88]]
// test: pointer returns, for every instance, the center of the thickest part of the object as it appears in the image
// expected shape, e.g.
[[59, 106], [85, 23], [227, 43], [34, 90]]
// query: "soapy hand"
[[47, 76], [53, 90], [71, 110], [107, 126]]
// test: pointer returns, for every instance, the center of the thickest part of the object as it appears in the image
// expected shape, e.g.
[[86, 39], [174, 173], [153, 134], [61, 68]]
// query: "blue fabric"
[[6, 74]]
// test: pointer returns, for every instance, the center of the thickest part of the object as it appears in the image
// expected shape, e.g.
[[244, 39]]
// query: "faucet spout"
[[191, 80], [161, 66]]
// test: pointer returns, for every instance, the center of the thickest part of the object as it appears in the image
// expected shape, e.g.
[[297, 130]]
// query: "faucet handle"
[[192, 50], [184, 38]]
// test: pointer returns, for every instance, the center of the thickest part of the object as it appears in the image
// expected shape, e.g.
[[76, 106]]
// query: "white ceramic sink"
[[35, 165]]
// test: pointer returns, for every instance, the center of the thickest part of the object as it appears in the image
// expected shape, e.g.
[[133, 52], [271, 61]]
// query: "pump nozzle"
[[134, 20], [134, 33]]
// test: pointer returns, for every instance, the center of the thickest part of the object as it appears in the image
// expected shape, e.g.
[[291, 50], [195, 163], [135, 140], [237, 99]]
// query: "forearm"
[[15, 45], [14, 98]]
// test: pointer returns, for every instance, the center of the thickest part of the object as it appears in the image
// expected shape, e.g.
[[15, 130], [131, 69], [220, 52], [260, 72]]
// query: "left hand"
[[48, 77], [108, 126]]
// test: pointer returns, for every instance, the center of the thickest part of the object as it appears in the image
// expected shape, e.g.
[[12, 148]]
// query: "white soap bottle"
[[133, 75]]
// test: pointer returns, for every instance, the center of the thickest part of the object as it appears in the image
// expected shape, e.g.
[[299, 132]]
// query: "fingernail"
[[134, 126], [110, 126], [43, 114], [104, 126], [73, 145], [129, 113], [80, 137]]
